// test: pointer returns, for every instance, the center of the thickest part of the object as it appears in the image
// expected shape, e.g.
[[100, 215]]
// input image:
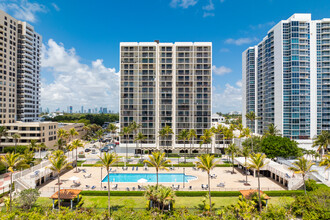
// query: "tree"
[[75, 145], [125, 132], [28, 157], [12, 161], [27, 198], [59, 162], [112, 128], [15, 136], [140, 137], [107, 161], [99, 134], [191, 136], [245, 152], [41, 146], [3, 133], [73, 132], [61, 133], [134, 127], [207, 162], [257, 161], [35, 146], [232, 150], [252, 117], [59, 143], [157, 160], [277, 146], [272, 131], [206, 138], [304, 167], [183, 135], [325, 162], [322, 141], [168, 131]]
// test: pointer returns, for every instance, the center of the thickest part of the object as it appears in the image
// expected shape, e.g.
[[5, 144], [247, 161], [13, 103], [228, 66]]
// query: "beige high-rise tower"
[[20, 50], [165, 84]]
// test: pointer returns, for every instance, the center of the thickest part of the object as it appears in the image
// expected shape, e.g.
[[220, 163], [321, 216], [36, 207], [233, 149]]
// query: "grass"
[[140, 202]]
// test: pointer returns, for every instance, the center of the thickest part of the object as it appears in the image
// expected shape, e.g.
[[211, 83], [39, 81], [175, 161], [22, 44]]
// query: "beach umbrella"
[[74, 178]]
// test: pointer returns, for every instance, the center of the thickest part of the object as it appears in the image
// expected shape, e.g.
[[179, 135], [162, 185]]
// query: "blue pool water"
[[150, 177]]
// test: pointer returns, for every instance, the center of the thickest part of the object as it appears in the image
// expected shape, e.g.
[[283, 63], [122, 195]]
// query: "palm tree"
[[28, 157], [73, 132], [125, 132], [15, 137], [304, 167], [12, 161], [272, 130], [112, 128], [3, 133], [233, 151], [325, 162], [206, 138], [207, 162], [183, 135], [99, 134], [41, 146], [59, 143], [140, 137], [34, 145], [257, 161], [75, 145], [168, 132], [192, 135], [162, 134], [157, 160], [59, 162], [252, 117], [322, 141], [107, 160], [134, 127], [245, 152], [61, 133]]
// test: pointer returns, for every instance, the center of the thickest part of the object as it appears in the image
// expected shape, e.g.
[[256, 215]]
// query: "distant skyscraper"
[[71, 109], [82, 109], [104, 110], [286, 78], [89, 110], [165, 84]]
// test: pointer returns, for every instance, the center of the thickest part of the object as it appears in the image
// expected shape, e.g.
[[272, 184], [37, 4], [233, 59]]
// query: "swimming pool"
[[149, 177]]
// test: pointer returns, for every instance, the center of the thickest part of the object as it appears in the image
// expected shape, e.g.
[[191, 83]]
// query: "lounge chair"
[[221, 185], [133, 188], [104, 187], [145, 168], [93, 187], [115, 186], [132, 168], [127, 189], [190, 187], [137, 168], [110, 169], [114, 171], [87, 186]]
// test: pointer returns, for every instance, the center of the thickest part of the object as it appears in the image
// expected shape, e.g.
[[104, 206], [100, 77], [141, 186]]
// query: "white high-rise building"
[[165, 84], [20, 49], [28, 83], [286, 78]]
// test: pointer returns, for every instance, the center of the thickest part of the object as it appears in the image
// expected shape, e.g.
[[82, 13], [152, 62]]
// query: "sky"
[[80, 56]]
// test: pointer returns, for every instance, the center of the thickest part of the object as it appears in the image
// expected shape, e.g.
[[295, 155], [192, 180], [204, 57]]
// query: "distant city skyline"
[[80, 62]]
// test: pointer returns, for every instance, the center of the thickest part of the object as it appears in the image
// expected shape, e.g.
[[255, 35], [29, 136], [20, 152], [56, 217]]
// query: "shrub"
[[19, 149], [311, 185], [27, 198]]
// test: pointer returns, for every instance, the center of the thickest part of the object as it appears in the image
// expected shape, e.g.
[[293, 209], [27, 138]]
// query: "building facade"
[[20, 50], [286, 78], [165, 84]]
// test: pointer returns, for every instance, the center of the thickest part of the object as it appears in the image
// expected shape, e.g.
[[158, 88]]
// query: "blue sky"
[[81, 38]]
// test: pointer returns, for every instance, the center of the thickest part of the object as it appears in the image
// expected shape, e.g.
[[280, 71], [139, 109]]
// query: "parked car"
[[105, 149], [87, 150], [93, 151]]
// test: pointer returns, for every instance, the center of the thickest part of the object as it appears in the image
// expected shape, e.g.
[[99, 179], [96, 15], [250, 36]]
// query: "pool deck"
[[232, 182]]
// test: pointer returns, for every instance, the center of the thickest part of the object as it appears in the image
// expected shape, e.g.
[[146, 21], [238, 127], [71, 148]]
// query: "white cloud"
[[207, 14], [22, 9], [241, 41], [209, 7], [183, 3], [264, 25], [221, 70], [224, 50], [75, 83], [227, 99], [56, 7]]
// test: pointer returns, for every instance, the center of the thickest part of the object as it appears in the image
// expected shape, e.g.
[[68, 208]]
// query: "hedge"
[[192, 193], [19, 149], [174, 165]]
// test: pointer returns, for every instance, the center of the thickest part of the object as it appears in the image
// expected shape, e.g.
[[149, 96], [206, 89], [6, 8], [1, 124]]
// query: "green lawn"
[[140, 202]]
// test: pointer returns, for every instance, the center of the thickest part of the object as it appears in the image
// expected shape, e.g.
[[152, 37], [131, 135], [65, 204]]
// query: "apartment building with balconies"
[[288, 84], [165, 84]]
